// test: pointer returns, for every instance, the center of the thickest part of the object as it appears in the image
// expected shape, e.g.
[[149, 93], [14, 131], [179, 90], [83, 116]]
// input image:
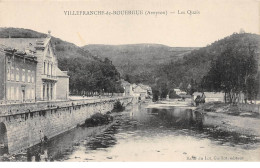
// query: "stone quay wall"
[[27, 124]]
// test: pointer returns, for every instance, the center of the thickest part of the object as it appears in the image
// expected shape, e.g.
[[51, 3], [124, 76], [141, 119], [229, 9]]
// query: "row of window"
[[17, 75], [47, 91], [17, 93], [48, 69]]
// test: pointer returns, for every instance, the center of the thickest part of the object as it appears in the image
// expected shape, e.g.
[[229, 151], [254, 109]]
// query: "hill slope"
[[138, 60], [194, 66]]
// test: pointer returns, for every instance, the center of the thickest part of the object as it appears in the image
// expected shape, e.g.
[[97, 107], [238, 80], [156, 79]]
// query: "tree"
[[91, 75], [234, 71]]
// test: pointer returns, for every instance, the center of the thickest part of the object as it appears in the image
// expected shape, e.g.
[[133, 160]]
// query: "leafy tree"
[[91, 76], [234, 71]]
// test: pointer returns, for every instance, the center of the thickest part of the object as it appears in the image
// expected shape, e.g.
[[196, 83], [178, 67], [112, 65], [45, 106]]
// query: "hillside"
[[195, 65], [62, 48], [138, 53], [87, 72], [138, 60]]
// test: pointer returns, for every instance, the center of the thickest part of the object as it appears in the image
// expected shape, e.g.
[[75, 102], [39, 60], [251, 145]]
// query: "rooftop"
[[24, 44], [61, 73]]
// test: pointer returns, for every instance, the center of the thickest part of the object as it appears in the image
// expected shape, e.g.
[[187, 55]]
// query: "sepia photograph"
[[130, 81]]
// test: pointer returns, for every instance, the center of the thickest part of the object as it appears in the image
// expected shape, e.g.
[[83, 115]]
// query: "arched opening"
[[3, 139]]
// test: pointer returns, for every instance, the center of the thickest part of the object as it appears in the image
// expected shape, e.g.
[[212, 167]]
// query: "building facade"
[[128, 88], [43, 72], [17, 76], [46, 70], [62, 85]]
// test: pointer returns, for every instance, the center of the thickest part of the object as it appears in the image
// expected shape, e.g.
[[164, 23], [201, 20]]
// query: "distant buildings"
[[128, 88], [179, 92], [139, 90], [211, 96], [29, 71]]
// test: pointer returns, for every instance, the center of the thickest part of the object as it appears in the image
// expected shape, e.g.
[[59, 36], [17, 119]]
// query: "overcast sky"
[[217, 19]]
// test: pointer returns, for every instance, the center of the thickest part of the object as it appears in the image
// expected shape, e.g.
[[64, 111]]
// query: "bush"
[[98, 119], [173, 95], [118, 107], [155, 95]]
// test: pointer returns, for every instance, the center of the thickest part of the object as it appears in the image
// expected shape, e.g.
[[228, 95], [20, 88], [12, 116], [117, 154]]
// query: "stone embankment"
[[231, 118], [24, 125]]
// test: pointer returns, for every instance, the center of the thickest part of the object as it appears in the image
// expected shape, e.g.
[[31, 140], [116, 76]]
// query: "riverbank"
[[147, 134], [230, 118], [38, 153]]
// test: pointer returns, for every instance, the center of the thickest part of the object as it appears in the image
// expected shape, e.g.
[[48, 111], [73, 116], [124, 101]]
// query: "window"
[[12, 73], [29, 76], [48, 92], [48, 69], [32, 92], [44, 68], [51, 92], [12, 93], [28, 94], [8, 73], [8, 93], [51, 69], [23, 75], [17, 93], [17, 76], [43, 92], [32, 76]]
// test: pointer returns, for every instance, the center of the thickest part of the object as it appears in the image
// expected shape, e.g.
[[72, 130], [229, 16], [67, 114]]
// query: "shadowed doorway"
[[3, 139]]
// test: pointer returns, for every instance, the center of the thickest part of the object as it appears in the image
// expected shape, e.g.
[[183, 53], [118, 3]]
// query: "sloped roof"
[[124, 83], [146, 87], [21, 44], [60, 73], [134, 85], [139, 89]]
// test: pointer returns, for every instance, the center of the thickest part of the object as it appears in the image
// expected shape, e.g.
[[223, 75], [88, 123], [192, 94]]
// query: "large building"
[[17, 76], [47, 74]]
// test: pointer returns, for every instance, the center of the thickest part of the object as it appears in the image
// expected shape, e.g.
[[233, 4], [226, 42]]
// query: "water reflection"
[[179, 117], [103, 140], [140, 134]]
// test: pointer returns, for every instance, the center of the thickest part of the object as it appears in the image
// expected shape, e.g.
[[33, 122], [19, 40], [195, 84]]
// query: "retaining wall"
[[27, 124]]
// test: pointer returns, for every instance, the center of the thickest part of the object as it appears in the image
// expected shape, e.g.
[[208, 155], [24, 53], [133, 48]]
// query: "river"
[[147, 133]]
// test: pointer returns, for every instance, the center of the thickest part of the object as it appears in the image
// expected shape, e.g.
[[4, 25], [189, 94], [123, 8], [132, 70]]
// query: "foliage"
[[98, 119], [173, 95], [234, 71], [137, 62], [238, 52], [118, 107], [91, 76], [156, 95]]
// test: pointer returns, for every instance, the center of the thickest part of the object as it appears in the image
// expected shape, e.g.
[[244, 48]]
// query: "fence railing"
[[96, 94]]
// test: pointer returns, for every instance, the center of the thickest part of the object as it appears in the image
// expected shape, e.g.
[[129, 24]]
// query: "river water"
[[147, 133]]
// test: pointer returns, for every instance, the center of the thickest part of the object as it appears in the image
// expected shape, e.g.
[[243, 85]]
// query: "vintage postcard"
[[130, 81]]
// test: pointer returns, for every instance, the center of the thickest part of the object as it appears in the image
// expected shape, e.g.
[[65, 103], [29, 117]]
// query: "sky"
[[213, 20]]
